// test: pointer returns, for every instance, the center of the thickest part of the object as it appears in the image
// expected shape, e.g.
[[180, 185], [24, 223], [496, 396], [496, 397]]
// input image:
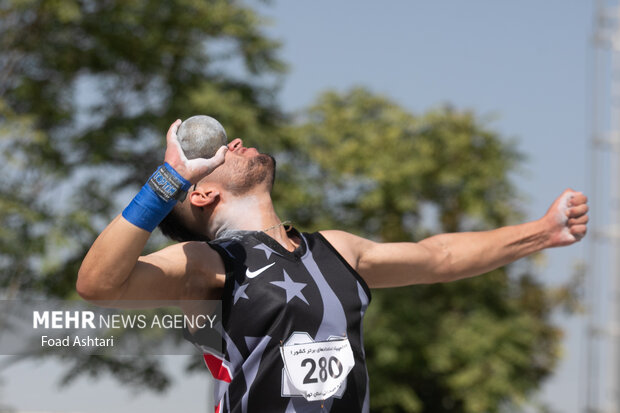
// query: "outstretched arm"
[[113, 268], [449, 257]]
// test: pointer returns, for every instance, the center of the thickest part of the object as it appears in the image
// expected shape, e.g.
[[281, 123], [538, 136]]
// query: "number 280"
[[331, 367]]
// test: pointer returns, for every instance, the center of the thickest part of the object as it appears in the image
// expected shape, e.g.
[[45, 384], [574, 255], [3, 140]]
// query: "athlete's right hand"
[[191, 169]]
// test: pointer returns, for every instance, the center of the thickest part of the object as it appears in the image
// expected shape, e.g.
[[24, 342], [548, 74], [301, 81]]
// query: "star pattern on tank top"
[[268, 251], [239, 292], [292, 288]]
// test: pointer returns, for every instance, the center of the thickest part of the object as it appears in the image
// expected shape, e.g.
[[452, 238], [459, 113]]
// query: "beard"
[[259, 170]]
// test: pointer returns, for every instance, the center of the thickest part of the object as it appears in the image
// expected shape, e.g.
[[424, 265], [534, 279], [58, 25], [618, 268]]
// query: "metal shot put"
[[201, 136]]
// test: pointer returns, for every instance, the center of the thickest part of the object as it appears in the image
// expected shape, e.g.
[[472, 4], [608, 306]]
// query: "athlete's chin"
[[260, 170]]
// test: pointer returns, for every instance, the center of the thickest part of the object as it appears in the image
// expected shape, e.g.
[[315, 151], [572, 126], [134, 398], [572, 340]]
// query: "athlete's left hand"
[[567, 218]]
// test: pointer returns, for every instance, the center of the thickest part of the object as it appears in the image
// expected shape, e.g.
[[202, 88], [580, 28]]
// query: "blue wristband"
[[156, 198], [167, 183]]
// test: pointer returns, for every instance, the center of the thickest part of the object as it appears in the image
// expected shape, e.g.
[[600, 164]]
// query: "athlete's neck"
[[253, 212]]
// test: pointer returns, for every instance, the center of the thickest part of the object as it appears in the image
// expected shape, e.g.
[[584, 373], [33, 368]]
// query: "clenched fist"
[[567, 218]]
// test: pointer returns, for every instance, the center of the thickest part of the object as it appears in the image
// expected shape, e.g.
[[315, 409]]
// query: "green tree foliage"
[[477, 345], [87, 91]]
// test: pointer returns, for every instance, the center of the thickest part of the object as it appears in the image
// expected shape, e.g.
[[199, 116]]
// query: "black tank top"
[[272, 298]]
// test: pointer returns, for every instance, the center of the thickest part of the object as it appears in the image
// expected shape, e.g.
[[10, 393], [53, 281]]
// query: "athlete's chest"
[[268, 289]]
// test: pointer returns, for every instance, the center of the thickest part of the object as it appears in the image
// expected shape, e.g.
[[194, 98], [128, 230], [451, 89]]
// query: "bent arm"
[[114, 269], [449, 257], [111, 260]]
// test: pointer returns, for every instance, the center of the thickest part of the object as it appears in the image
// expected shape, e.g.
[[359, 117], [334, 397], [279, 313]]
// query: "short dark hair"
[[174, 227]]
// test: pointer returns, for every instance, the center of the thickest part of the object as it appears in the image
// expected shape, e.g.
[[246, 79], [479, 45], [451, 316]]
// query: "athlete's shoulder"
[[350, 246], [201, 265], [198, 250], [344, 239]]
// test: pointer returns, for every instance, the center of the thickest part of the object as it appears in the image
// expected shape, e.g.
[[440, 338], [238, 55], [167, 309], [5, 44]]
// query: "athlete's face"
[[244, 168]]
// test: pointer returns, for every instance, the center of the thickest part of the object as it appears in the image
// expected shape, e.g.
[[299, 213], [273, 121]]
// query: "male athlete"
[[293, 303]]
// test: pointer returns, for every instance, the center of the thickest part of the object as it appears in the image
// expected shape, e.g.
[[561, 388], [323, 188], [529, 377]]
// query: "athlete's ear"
[[203, 197]]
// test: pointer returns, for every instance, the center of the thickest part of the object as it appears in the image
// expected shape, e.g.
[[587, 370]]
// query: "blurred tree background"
[[88, 89]]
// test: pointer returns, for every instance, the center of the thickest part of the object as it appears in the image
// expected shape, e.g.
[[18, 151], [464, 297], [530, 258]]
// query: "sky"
[[525, 65]]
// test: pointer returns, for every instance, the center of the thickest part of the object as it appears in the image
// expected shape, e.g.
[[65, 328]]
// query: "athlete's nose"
[[235, 144]]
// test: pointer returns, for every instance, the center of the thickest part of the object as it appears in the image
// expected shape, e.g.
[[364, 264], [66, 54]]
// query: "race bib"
[[315, 370]]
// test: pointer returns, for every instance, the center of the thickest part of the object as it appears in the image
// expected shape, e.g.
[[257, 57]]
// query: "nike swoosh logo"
[[252, 274]]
